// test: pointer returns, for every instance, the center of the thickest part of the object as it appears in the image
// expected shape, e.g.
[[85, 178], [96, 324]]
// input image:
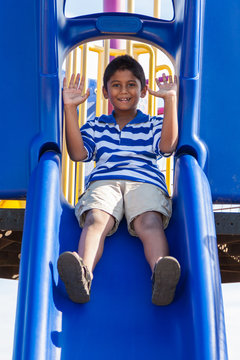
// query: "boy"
[[126, 179]]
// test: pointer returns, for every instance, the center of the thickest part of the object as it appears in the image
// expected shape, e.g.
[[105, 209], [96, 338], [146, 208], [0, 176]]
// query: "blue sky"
[[8, 288], [75, 8]]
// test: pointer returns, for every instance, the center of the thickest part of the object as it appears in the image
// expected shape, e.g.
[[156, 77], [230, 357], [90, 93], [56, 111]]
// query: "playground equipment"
[[120, 322]]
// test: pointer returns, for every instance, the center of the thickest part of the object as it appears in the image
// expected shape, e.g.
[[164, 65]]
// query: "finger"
[[64, 83], [81, 84], [158, 81], [86, 95], [164, 77], [71, 82], [175, 79], [77, 81], [152, 92], [170, 79]]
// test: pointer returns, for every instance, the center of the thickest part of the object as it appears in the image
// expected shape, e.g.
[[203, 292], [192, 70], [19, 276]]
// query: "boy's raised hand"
[[166, 88], [72, 94]]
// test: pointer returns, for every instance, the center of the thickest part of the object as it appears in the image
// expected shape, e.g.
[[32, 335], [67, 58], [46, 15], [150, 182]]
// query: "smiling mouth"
[[124, 99]]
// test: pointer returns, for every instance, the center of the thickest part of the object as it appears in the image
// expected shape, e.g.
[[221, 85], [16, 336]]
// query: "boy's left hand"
[[166, 88]]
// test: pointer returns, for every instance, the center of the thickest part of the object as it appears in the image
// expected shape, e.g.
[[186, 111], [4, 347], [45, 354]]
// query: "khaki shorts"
[[119, 197]]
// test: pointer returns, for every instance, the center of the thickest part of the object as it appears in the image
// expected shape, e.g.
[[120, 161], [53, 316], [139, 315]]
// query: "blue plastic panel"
[[220, 122], [29, 90], [19, 94], [117, 24]]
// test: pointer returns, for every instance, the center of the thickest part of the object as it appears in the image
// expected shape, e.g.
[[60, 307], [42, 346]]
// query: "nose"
[[123, 89]]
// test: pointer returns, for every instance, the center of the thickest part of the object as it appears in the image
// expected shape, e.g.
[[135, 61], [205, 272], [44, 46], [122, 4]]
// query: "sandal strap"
[[86, 274]]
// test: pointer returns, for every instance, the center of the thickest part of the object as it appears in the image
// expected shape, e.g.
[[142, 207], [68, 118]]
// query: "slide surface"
[[120, 321]]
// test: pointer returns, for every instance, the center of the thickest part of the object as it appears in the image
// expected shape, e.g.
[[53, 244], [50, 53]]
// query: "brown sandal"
[[165, 279], [75, 275]]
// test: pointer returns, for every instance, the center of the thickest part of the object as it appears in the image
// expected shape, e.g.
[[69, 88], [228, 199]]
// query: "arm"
[[169, 134], [72, 97]]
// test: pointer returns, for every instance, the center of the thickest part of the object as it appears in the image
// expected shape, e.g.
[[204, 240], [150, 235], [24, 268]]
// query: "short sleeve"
[[87, 132], [157, 130]]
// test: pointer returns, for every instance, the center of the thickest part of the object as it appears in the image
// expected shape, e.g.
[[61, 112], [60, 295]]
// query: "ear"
[[143, 92], [105, 93]]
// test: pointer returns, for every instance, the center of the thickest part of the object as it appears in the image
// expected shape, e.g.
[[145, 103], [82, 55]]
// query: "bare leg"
[[149, 228], [75, 271], [97, 225]]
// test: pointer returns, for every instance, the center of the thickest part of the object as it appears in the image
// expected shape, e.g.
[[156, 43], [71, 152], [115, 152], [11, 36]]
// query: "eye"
[[115, 85], [131, 84]]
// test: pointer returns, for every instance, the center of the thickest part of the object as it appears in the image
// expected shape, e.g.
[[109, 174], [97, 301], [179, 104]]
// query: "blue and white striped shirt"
[[130, 153]]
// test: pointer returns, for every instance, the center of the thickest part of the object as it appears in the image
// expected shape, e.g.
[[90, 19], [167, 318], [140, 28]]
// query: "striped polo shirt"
[[130, 153]]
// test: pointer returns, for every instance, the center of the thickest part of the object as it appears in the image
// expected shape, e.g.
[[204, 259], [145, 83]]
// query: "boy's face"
[[124, 90]]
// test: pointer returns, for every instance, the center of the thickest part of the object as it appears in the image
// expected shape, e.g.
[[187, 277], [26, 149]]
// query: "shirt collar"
[[139, 118]]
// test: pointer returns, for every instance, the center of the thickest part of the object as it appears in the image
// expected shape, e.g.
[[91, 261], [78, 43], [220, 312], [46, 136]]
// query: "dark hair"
[[124, 62]]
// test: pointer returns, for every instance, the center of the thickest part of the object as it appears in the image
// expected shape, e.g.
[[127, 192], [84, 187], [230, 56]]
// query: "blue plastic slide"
[[119, 322]]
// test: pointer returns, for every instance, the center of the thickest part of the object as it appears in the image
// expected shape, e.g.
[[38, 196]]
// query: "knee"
[[93, 217], [97, 218], [148, 221]]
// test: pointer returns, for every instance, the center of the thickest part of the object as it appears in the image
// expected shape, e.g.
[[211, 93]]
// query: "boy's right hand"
[[72, 94]]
